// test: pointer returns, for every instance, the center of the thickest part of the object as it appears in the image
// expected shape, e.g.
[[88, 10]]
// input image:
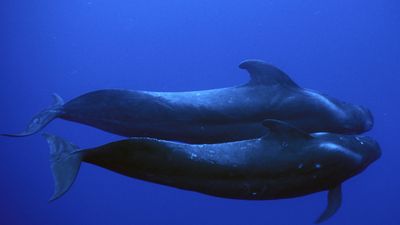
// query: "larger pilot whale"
[[284, 163], [210, 116]]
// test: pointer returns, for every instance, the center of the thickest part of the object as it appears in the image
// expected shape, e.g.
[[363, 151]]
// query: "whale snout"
[[368, 118], [375, 151], [369, 149], [357, 119], [361, 120]]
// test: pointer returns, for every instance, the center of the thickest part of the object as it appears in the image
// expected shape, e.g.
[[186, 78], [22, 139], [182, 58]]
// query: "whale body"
[[210, 116], [285, 163]]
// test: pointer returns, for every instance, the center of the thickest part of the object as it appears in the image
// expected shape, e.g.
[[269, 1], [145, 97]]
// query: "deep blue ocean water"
[[347, 49]]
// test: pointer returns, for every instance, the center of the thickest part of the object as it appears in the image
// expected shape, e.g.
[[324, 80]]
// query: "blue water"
[[347, 49]]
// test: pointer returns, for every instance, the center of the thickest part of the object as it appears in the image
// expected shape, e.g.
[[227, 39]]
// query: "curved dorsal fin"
[[263, 73], [285, 130]]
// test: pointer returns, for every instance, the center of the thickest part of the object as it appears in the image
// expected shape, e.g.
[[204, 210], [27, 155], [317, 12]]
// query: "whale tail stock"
[[65, 164], [40, 120]]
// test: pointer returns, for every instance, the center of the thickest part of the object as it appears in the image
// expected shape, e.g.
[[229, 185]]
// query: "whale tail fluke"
[[65, 164], [40, 120]]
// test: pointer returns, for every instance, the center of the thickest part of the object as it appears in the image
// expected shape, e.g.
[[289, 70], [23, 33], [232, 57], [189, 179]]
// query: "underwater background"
[[347, 49]]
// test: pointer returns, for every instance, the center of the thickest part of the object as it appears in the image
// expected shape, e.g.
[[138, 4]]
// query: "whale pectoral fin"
[[285, 130], [334, 203], [263, 73]]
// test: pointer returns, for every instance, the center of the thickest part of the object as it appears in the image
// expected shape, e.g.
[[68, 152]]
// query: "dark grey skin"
[[210, 116], [284, 163]]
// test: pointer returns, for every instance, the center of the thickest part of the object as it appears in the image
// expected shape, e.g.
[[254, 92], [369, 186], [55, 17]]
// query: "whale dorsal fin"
[[266, 74], [334, 203], [285, 130]]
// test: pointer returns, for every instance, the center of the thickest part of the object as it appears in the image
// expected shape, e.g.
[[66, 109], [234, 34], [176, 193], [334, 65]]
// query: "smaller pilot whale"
[[284, 163], [210, 116]]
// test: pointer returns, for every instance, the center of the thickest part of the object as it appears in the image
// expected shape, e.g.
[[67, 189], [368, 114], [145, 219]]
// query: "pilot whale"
[[285, 163], [210, 116]]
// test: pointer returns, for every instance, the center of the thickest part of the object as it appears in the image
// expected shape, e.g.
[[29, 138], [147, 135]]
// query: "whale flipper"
[[334, 203], [40, 120], [263, 73], [65, 164]]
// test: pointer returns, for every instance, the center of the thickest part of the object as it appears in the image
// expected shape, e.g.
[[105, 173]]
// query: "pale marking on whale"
[[200, 98], [319, 134]]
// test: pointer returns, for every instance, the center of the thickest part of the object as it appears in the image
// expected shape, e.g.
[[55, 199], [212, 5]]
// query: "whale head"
[[336, 116], [344, 156], [359, 151]]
